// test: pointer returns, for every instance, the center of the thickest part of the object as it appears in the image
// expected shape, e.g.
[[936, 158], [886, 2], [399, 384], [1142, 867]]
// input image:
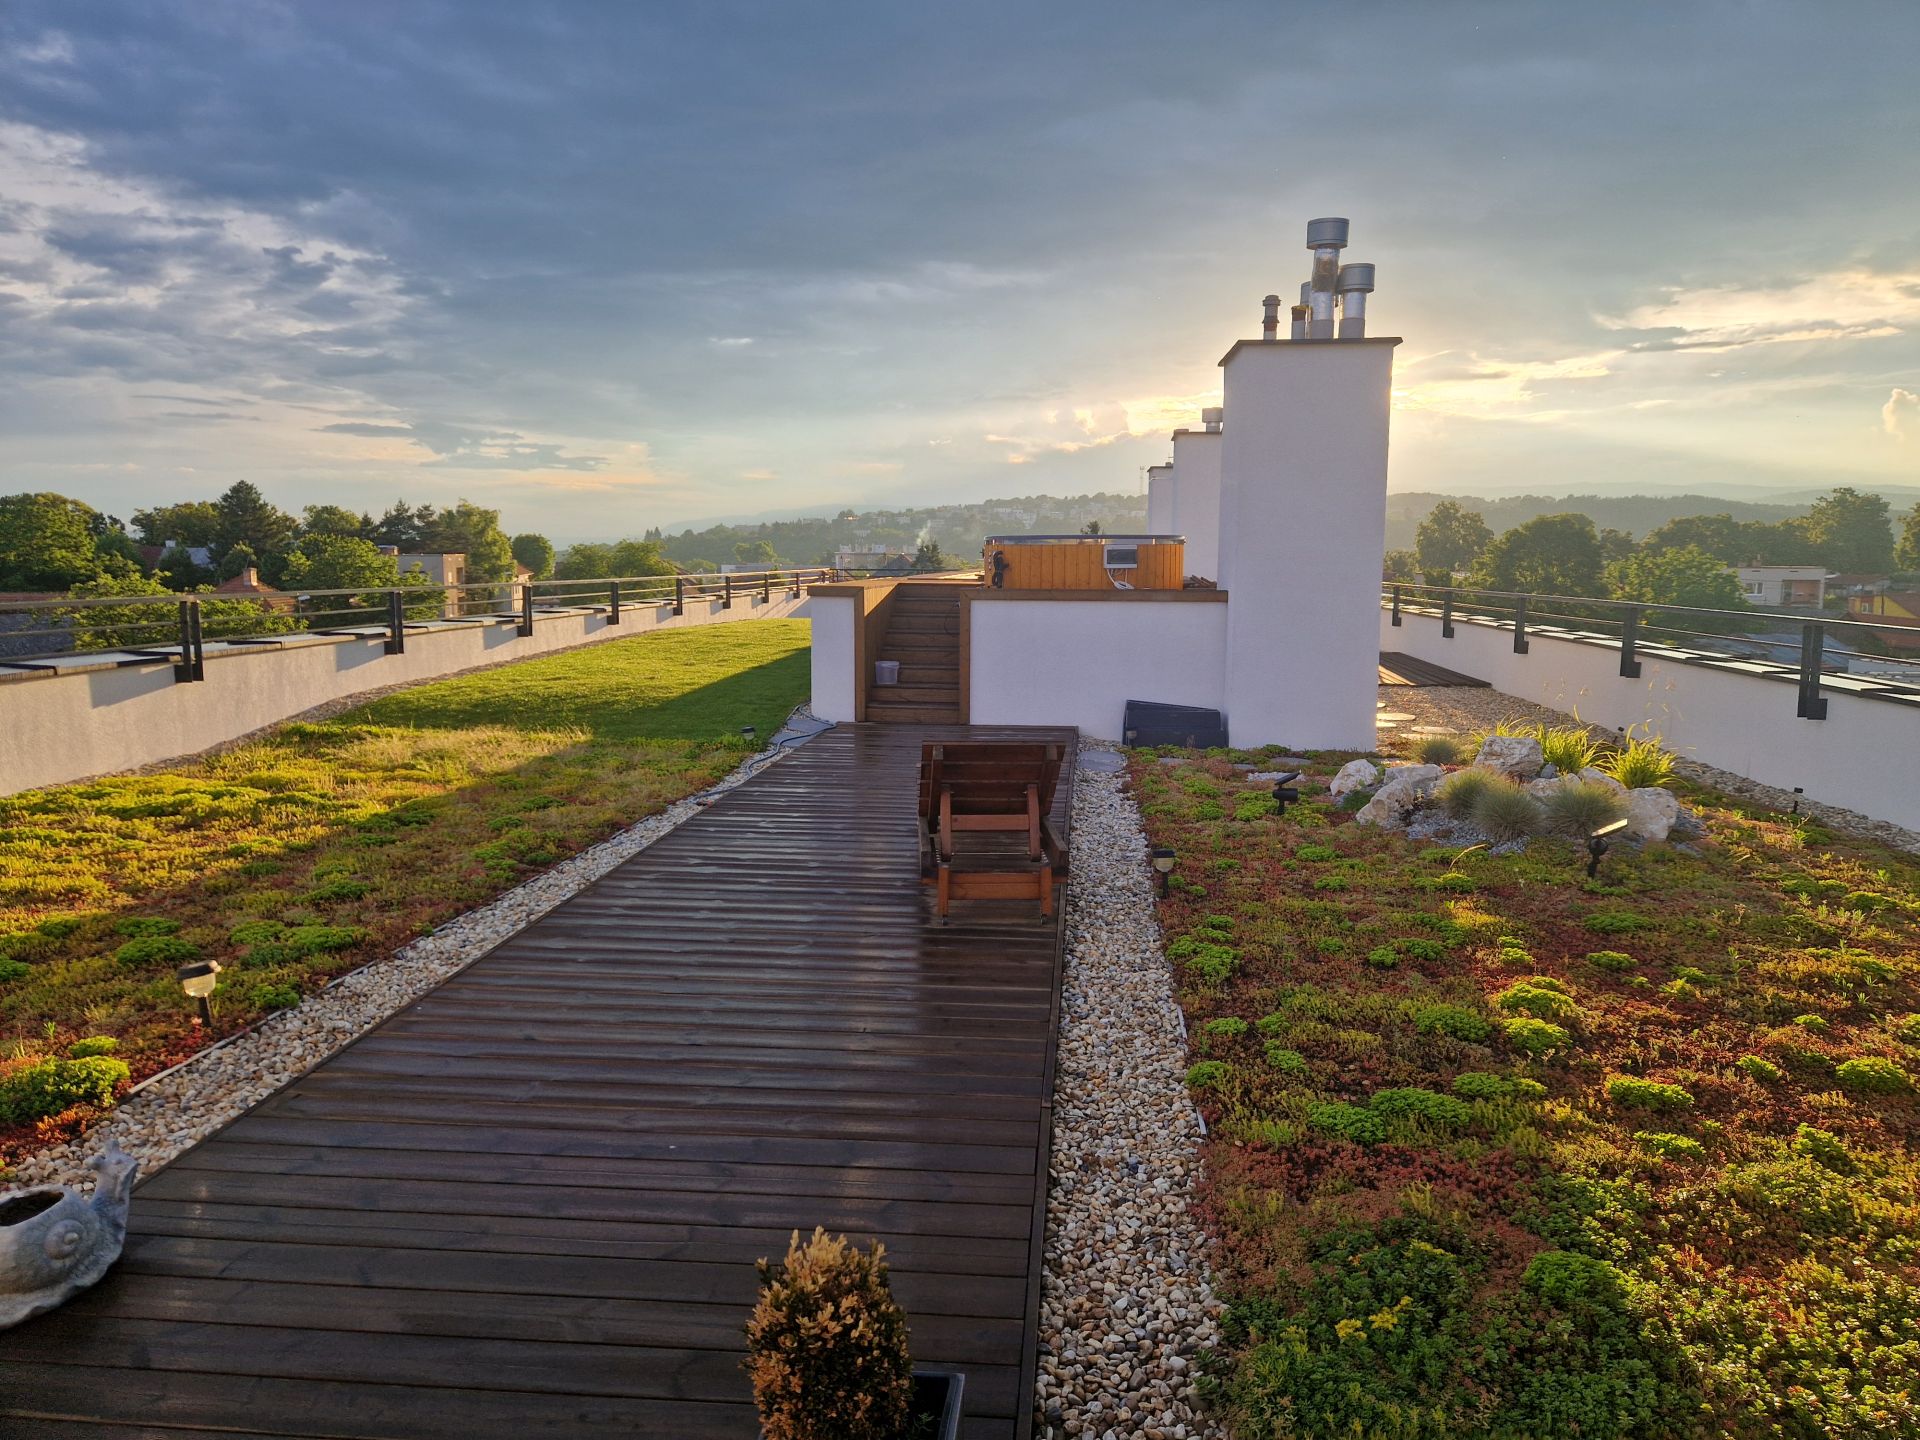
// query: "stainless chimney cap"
[[1357, 276], [1212, 415], [1329, 230]]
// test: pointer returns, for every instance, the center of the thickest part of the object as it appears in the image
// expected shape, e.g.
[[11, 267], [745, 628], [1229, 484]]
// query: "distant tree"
[[236, 560], [332, 520], [930, 558], [1401, 565], [1907, 553], [639, 557], [192, 522], [176, 570], [117, 554], [1615, 544], [1852, 532], [116, 627], [473, 531], [1550, 555], [1451, 538], [1686, 576], [341, 562], [757, 553], [245, 518], [1092, 527], [584, 562], [47, 542], [535, 552], [402, 527]]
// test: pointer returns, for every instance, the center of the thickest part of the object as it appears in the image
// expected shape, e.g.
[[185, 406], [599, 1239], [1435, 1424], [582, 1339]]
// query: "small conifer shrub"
[[827, 1345]]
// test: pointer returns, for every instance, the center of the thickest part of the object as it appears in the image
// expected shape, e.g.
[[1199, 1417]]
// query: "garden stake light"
[[198, 980], [1284, 793], [1163, 862], [1597, 845]]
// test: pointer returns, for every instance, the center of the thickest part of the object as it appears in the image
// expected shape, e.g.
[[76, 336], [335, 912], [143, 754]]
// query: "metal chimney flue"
[[1212, 417], [1355, 284], [1270, 318], [1326, 237]]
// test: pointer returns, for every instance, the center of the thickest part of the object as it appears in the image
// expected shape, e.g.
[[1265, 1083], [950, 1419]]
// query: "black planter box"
[[935, 1411], [936, 1405]]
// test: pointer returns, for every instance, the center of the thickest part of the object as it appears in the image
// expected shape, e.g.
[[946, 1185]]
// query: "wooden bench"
[[997, 794]]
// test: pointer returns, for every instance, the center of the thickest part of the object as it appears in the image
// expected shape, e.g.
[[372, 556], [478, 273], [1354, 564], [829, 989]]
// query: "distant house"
[[248, 585], [872, 557], [448, 569], [154, 556], [1899, 610], [1783, 587]]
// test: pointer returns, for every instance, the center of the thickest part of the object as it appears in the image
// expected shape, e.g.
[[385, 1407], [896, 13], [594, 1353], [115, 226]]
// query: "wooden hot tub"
[[1084, 562]]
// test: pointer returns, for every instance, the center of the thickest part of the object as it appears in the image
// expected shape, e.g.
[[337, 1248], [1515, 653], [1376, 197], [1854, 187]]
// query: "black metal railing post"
[[766, 588], [679, 595], [613, 602], [526, 610], [1396, 605], [726, 592], [199, 646], [1630, 644], [183, 669], [1520, 625], [1446, 614], [1813, 644], [396, 624]]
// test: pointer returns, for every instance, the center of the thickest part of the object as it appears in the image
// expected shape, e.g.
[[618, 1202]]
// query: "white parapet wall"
[[1052, 659], [93, 719], [1861, 757]]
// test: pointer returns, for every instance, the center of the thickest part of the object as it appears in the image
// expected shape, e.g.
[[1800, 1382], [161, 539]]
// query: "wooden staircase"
[[923, 634]]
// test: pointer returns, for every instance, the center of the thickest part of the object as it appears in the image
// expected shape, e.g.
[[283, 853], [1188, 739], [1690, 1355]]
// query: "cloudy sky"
[[611, 265]]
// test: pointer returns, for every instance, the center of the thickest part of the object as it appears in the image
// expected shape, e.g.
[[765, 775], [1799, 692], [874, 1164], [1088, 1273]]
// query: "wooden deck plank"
[[531, 1200]]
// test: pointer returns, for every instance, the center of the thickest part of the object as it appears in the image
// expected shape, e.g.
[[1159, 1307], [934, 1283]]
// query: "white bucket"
[[886, 672]]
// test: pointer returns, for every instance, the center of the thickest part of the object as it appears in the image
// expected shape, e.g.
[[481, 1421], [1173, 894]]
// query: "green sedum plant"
[[1536, 1037], [1669, 1146], [1640, 1094], [49, 1087], [1872, 1075]]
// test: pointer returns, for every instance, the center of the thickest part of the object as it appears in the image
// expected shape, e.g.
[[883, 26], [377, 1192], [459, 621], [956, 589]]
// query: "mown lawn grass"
[[306, 853], [1497, 1150]]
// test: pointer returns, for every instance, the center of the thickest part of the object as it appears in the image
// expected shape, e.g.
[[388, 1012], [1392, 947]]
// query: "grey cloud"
[[367, 429]]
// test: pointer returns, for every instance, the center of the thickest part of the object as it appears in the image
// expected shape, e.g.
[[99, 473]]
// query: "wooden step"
[[913, 714], [915, 694], [925, 673], [901, 642], [924, 625]]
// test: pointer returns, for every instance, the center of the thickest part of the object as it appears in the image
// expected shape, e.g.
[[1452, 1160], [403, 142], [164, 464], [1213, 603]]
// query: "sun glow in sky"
[[606, 267]]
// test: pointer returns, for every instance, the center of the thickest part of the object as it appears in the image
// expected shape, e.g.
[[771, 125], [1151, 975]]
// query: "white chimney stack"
[[1196, 460], [1163, 501], [1302, 524]]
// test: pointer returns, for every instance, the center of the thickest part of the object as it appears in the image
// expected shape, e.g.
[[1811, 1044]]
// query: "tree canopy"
[[536, 553], [1451, 538], [1551, 555], [192, 522], [1852, 532], [1686, 576], [47, 542], [1907, 552], [245, 518]]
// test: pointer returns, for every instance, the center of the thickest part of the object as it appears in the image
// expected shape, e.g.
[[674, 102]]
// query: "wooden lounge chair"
[[995, 794]]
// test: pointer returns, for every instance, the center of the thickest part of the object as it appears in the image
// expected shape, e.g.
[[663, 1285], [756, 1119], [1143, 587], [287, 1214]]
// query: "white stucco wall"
[[834, 683], [1303, 468], [1861, 756], [1078, 662], [1196, 463], [1163, 500], [64, 727]]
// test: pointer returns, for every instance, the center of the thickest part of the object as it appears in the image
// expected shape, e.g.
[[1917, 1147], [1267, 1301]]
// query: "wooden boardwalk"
[[529, 1203]]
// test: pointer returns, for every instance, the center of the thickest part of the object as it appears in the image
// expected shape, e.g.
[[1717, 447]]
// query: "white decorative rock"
[[1354, 775], [1406, 787], [1651, 813], [1515, 756], [1600, 777]]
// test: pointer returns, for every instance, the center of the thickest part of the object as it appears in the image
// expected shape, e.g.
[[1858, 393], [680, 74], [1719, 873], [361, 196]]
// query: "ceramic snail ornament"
[[54, 1243]]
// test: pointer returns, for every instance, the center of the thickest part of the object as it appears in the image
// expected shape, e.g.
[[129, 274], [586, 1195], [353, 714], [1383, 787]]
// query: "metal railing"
[[39, 633], [1814, 652]]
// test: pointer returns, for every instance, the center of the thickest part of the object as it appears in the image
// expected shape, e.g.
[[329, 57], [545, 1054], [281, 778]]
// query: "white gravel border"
[[169, 1112], [1126, 1298]]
